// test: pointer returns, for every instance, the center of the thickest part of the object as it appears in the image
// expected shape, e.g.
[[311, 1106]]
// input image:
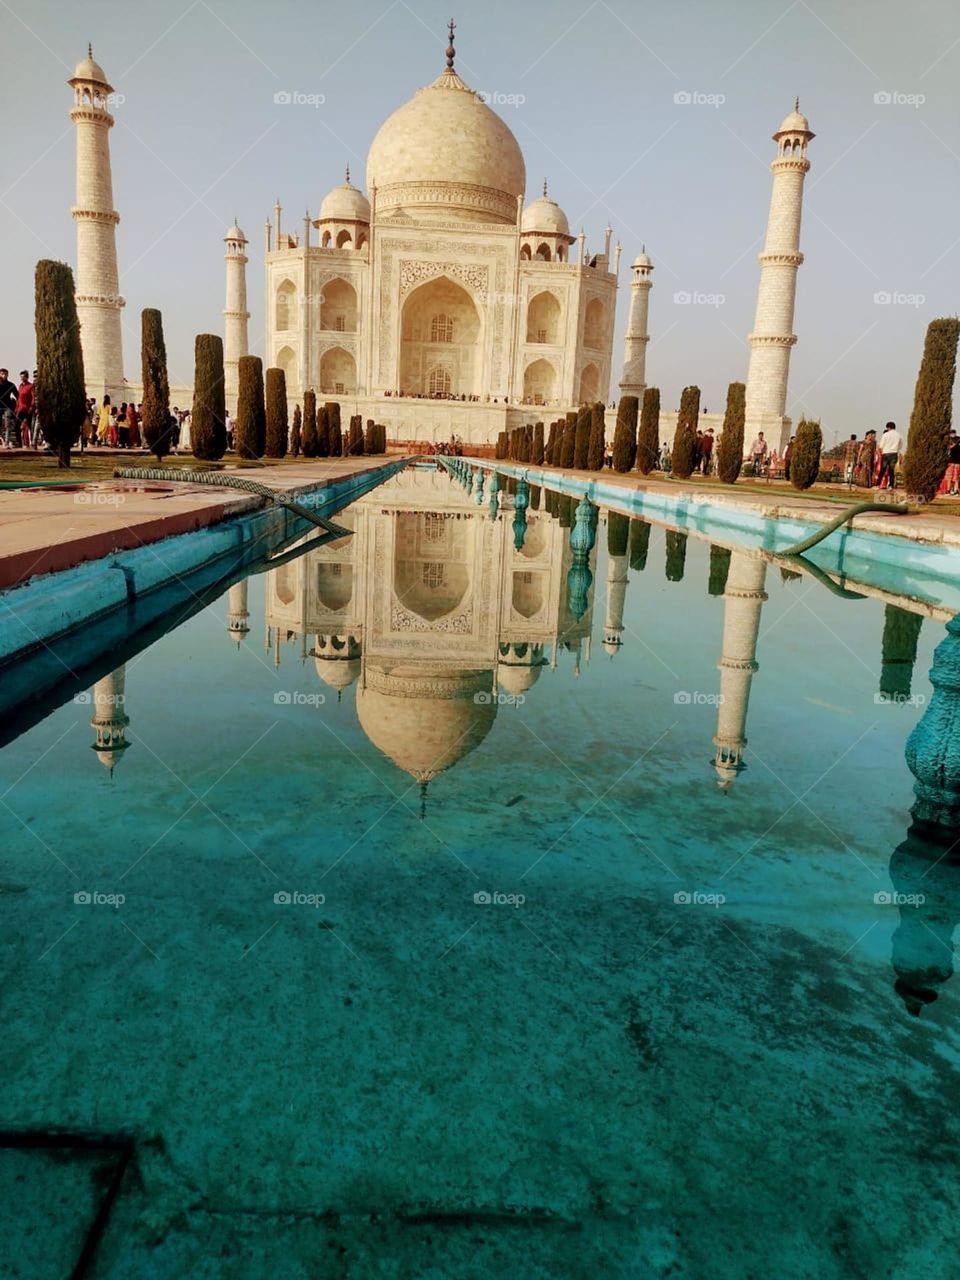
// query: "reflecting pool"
[[509, 888]]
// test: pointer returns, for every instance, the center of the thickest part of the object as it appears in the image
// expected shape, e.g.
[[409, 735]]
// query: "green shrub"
[[155, 408], [323, 432], [61, 394], [597, 442], [277, 425], [251, 425], [295, 432], [568, 446], [308, 437], [625, 435], [805, 458], [928, 441], [334, 431], [648, 441], [581, 448], [730, 447], [537, 455], [685, 441], [208, 428]]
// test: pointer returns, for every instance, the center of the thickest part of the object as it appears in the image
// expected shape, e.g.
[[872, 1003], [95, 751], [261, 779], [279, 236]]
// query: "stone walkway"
[[43, 530]]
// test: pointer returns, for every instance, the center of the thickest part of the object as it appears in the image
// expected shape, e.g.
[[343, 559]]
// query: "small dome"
[[90, 70], [642, 260], [338, 673], [795, 122], [235, 234], [516, 679], [545, 216], [345, 204]]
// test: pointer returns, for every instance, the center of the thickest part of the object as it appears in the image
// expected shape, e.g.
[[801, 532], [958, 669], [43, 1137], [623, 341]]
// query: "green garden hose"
[[223, 480], [857, 509]]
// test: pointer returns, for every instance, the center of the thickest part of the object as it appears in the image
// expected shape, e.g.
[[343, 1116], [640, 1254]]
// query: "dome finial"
[[451, 52], [796, 103], [348, 175], [90, 49], [544, 188]]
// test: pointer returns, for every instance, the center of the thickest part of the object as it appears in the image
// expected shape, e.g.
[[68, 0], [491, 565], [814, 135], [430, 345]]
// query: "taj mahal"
[[438, 301]]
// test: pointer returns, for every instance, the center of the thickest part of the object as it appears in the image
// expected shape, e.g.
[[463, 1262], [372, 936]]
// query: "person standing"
[[891, 447], [952, 478], [850, 450], [758, 453], [123, 430], [133, 426], [25, 407], [866, 460], [706, 451], [787, 455]]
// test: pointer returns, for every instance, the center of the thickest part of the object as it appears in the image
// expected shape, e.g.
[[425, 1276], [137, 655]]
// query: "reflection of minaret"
[[237, 613], [618, 534], [110, 721], [743, 604]]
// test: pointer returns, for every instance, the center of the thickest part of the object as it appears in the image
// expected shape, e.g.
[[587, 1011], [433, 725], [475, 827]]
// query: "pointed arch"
[[543, 318], [286, 306], [338, 306], [594, 325], [338, 372]]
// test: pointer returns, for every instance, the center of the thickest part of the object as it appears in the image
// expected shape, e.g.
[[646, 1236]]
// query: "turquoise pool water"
[[422, 927]]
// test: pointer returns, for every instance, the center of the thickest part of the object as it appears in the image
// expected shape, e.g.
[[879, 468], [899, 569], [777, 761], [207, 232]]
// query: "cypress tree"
[[369, 439], [61, 395], [528, 442], [308, 435], [625, 435], [805, 459], [676, 554], [323, 432], [719, 568], [538, 452], [276, 394], [501, 449], [155, 421], [334, 432], [568, 447], [581, 438], [639, 544], [295, 433], [648, 443], [901, 632], [597, 441], [251, 428], [355, 439], [928, 441], [208, 428], [685, 440], [618, 533], [730, 447]]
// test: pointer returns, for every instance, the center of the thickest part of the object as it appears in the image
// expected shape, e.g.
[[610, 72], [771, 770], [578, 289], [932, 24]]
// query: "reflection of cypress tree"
[[639, 544], [553, 502], [618, 533], [676, 554], [901, 631], [719, 568], [789, 575], [534, 497], [537, 456], [565, 511], [568, 447]]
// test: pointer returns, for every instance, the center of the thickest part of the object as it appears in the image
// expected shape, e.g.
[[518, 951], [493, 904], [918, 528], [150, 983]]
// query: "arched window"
[[344, 239], [362, 240], [543, 252], [439, 382], [286, 314], [594, 324], [441, 328], [325, 240], [525, 253]]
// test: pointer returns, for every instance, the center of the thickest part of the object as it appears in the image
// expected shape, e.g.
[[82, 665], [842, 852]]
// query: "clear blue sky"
[[199, 140]]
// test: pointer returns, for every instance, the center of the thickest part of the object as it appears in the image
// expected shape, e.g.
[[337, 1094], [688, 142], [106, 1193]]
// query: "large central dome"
[[446, 154]]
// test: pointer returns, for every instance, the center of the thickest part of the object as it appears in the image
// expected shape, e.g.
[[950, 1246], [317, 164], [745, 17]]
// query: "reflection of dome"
[[425, 720], [517, 679], [345, 204], [446, 151], [545, 216], [338, 673]]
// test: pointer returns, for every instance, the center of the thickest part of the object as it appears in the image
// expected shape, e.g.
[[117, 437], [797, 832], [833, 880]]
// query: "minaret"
[[635, 340], [773, 334], [743, 604], [235, 313], [616, 595], [110, 720], [97, 280], [237, 612]]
